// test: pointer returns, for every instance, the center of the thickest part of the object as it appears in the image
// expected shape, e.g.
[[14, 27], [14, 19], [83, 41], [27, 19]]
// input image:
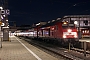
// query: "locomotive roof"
[[54, 22], [51, 23]]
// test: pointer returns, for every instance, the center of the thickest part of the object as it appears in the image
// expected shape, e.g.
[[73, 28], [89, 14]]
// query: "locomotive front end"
[[70, 33]]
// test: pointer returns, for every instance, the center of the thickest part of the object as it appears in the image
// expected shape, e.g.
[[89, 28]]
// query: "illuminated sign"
[[6, 12]]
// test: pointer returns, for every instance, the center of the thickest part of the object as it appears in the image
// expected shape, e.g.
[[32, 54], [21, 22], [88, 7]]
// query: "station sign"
[[6, 12]]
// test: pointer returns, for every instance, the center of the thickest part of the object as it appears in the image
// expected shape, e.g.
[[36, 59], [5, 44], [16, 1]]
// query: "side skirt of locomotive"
[[58, 41]]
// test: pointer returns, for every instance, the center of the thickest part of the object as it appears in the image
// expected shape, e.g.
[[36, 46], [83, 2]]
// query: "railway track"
[[80, 50], [57, 50]]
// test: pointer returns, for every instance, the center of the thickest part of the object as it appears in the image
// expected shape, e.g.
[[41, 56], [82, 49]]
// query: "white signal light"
[[69, 30], [75, 22], [65, 23], [75, 35]]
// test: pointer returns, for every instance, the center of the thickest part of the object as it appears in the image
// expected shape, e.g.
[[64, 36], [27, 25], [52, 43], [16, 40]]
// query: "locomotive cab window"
[[71, 25], [64, 25], [67, 26]]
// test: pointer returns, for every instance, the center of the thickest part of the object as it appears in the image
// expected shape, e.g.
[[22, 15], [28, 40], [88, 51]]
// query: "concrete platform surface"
[[18, 49]]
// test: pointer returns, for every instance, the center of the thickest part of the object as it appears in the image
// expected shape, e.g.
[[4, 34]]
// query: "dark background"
[[27, 12]]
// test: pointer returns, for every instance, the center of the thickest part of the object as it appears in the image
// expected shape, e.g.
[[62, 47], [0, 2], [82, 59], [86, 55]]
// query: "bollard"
[[85, 49], [9, 39]]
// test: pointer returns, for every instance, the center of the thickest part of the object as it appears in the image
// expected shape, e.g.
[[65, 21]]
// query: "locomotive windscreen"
[[67, 25]]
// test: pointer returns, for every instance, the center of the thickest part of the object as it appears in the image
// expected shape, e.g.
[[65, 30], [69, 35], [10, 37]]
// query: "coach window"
[[87, 31], [83, 31], [64, 26]]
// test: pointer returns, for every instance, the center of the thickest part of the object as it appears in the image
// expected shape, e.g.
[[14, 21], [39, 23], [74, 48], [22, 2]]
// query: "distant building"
[[82, 23], [84, 20]]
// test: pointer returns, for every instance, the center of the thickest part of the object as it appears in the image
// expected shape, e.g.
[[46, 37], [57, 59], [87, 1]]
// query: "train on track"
[[56, 31]]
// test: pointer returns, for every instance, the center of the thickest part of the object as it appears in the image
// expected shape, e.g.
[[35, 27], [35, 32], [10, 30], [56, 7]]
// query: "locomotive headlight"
[[75, 36], [69, 30], [64, 36]]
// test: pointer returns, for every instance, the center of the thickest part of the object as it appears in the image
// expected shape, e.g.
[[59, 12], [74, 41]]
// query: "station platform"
[[18, 49]]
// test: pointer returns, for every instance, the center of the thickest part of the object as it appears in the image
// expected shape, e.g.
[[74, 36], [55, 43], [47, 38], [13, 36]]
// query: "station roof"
[[77, 16]]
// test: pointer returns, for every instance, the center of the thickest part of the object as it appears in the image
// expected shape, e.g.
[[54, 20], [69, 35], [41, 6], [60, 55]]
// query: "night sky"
[[27, 12]]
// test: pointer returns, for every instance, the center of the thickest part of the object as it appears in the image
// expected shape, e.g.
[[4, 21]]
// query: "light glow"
[[75, 22], [1, 7], [64, 36], [64, 23], [6, 20], [2, 17], [75, 36], [69, 30], [3, 24]]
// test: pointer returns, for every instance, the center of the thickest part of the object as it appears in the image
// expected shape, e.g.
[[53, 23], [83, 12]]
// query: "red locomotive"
[[56, 31]]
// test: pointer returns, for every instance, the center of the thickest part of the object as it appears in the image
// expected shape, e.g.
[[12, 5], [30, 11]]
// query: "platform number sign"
[[6, 12]]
